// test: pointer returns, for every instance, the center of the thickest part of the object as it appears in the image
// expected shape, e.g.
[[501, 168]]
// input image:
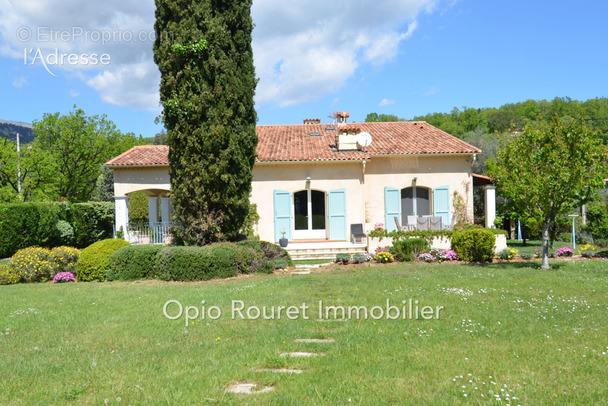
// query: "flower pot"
[[283, 242]]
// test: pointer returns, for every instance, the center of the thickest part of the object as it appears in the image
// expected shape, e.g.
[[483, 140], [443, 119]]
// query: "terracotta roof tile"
[[143, 155], [316, 142]]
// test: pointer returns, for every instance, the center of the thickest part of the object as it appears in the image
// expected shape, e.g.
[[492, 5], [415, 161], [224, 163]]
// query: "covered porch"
[[157, 229]]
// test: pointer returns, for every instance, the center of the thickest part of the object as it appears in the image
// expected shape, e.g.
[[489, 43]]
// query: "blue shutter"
[[337, 214], [392, 207], [441, 204], [282, 214]]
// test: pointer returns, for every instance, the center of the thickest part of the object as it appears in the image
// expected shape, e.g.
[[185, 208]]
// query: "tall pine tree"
[[203, 50]]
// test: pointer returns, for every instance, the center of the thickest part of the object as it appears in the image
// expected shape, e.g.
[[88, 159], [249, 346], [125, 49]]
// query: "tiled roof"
[[316, 142], [143, 155]]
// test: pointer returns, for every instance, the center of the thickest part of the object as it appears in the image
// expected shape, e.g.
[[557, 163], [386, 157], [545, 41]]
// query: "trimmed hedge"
[[93, 260], [220, 260], [409, 248], [476, 245], [53, 224], [133, 262], [93, 221], [200, 263]]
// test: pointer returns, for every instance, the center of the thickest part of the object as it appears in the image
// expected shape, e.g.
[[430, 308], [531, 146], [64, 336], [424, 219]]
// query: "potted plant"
[[283, 241]]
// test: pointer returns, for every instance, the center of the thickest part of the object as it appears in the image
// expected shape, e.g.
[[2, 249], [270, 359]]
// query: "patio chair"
[[356, 232], [423, 223], [435, 223], [405, 227]]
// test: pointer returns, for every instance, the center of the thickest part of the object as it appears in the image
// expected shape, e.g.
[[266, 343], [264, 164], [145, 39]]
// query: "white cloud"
[[307, 50], [20, 82], [386, 102], [74, 93], [302, 50]]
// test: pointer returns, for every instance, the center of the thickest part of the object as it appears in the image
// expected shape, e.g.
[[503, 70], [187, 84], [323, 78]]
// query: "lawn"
[[531, 245], [506, 328]]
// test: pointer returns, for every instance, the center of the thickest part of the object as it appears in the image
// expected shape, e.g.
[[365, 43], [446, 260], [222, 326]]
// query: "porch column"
[[152, 210], [165, 215], [122, 213], [490, 204]]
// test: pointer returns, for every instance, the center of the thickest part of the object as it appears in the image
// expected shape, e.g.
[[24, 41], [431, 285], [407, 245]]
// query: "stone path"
[[250, 388]]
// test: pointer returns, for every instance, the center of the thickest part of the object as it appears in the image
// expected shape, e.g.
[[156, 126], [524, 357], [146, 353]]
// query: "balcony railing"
[[152, 233]]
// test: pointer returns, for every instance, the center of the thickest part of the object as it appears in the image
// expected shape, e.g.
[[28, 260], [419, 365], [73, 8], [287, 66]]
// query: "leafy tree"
[[104, 190], [36, 172], [385, 118], [78, 146], [207, 88], [548, 169]]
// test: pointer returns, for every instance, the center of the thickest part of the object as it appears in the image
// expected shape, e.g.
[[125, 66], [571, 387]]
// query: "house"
[[312, 181]]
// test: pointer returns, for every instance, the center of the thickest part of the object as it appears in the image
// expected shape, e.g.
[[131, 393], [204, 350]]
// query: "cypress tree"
[[203, 51]]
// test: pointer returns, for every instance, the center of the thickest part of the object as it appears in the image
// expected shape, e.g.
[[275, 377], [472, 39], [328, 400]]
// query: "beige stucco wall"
[[291, 177], [364, 192], [155, 181], [430, 171]]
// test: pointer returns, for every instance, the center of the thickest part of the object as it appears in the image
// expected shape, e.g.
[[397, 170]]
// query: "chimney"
[[341, 116]]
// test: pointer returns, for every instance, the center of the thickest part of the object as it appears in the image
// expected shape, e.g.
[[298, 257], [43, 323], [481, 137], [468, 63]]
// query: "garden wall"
[[437, 242]]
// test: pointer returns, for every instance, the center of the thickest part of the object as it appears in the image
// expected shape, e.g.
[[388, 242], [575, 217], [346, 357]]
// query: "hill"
[[12, 128]]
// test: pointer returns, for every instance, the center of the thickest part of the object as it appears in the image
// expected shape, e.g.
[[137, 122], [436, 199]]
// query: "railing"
[[153, 233]]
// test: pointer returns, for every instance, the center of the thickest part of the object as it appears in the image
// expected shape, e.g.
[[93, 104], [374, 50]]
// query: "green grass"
[[531, 245], [540, 335]]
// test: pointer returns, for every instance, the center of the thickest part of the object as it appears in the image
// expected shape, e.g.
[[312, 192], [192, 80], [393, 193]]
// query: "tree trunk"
[[545, 263]]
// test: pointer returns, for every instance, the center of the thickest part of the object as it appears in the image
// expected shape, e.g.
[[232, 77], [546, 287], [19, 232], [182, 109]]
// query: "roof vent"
[[312, 121], [315, 134], [330, 129]]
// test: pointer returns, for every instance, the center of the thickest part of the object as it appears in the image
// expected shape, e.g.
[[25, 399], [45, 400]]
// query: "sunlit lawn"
[[538, 336]]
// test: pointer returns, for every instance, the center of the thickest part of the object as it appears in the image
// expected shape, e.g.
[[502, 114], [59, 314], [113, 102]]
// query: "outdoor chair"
[[356, 232], [405, 227]]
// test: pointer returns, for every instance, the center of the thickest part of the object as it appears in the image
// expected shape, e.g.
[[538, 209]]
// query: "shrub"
[[538, 252], [602, 254], [597, 220], [266, 266], [359, 258], [280, 263], [200, 263], [93, 260], [92, 222], [507, 254], [64, 259], [383, 257], [565, 252], [33, 264], [564, 237], [526, 255], [63, 277], [138, 208], [476, 245], [133, 262], [409, 249], [7, 275], [18, 227], [600, 242], [64, 232], [343, 258], [268, 250], [585, 247]]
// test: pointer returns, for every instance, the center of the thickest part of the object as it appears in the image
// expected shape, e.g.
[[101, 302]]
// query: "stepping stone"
[[279, 370], [300, 354], [307, 266], [248, 388], [301, 273], [315, 340]]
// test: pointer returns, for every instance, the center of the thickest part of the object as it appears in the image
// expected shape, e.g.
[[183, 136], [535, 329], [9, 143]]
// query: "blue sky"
[[403, 57]]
